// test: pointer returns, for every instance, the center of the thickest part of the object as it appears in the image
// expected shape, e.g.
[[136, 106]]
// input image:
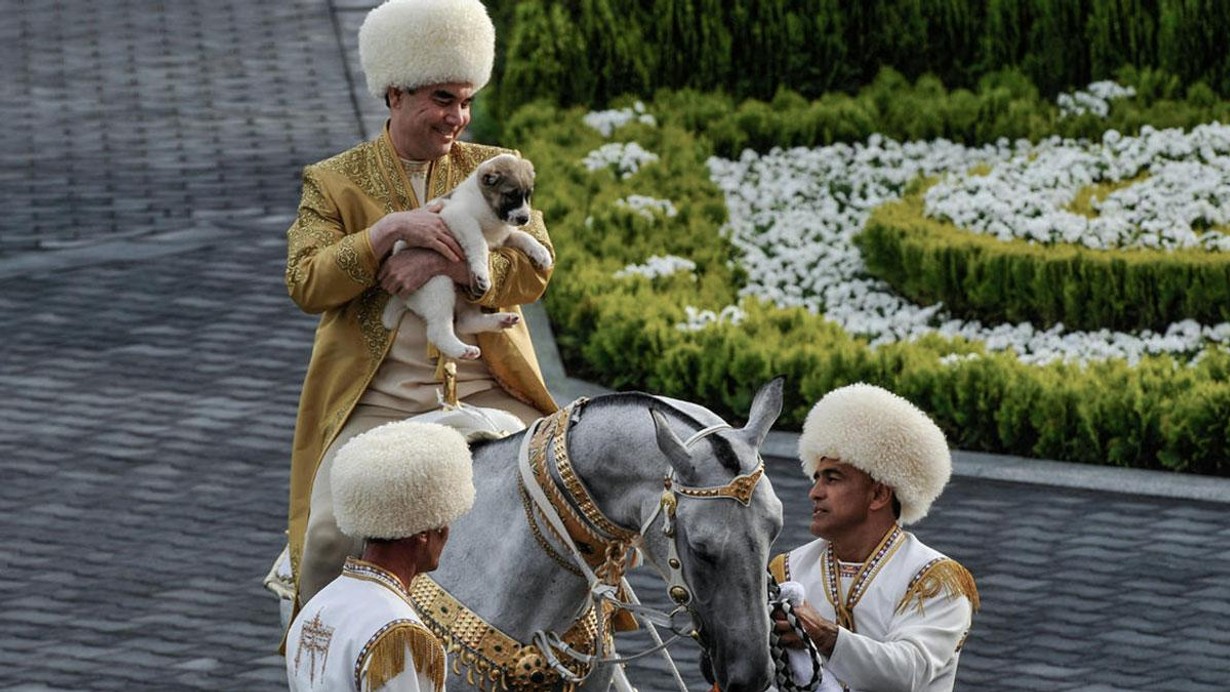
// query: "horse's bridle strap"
[[554, 431], [602, 544], [739, 489]]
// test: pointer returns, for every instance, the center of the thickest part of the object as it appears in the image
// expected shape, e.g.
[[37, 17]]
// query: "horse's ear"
[[672, 446], [766, 407]]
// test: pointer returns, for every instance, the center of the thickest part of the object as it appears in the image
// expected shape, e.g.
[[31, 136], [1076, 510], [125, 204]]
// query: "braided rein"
[[783, 679]]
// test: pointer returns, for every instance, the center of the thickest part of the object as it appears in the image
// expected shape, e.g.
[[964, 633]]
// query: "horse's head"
[[719, 517]]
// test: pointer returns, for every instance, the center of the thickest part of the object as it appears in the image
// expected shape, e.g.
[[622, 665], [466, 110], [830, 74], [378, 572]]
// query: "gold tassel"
[[947, 576], [450, 384], [433, 352], [387, 656]]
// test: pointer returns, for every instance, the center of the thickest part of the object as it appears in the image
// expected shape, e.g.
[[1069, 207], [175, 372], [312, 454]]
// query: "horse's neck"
[[494, 564]]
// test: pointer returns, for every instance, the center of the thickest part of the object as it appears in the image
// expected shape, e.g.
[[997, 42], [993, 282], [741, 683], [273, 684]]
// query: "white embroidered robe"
[[909, 623], [360, 634]]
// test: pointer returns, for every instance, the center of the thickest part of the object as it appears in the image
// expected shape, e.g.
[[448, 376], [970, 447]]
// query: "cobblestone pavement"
[[151, 363]]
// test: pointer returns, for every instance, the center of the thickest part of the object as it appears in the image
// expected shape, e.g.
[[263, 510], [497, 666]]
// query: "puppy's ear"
[[491, 179]]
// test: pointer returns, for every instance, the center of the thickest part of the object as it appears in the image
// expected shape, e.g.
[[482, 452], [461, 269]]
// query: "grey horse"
[[707, 530]]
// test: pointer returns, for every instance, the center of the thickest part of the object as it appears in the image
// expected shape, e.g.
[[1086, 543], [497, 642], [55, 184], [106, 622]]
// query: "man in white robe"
[[397, 487], [884, 611]]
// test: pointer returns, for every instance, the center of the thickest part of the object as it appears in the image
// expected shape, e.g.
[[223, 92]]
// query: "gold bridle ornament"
[[740, 488]]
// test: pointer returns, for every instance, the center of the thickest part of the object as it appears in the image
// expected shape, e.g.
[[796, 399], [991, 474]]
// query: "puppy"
[[482, 212]]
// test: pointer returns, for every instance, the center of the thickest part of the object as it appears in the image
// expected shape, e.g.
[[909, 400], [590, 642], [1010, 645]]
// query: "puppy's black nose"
[[520, 219]]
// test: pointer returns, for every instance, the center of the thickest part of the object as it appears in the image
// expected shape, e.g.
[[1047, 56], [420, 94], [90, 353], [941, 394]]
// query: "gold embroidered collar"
[[831, 575], [367, 571]]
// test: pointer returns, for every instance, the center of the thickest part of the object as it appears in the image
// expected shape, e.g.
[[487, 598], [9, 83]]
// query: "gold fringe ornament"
[[942, 575], [386, 655]]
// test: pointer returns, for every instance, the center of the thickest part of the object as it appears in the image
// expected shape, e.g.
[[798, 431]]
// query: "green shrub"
[[1121, 32], [1195, 426], [980, 277], [593, 51], [1191, 41], [1005, 105]]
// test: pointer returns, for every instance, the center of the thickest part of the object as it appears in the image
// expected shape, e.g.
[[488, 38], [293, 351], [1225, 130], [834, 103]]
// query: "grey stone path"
[[150, 366]]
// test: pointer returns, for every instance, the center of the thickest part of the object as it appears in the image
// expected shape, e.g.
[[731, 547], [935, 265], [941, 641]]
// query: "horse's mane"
[[724, 452]]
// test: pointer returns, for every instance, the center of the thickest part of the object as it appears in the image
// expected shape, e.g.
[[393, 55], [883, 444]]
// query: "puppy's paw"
[[471, 353], [480, 282], [507, 319], [540, 257]]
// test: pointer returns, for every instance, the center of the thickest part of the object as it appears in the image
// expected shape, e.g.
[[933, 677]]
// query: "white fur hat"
[[413, 43], [401, 478], [884, 435]]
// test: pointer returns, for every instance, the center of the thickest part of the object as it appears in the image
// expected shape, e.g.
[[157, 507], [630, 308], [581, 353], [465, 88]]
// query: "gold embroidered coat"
[[331, 270]]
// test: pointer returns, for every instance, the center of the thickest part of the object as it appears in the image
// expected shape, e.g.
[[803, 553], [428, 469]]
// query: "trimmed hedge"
[[980, 277], [591, 51], [1005, 104], [1157, 414]]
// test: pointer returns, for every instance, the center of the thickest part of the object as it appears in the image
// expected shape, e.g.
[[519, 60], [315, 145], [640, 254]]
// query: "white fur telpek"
[[884, 435], [401, 478], [414, 43]]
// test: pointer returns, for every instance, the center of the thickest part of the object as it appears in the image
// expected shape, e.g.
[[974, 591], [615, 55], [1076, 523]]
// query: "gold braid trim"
[[491, 659], [941, 575], [386, 654]]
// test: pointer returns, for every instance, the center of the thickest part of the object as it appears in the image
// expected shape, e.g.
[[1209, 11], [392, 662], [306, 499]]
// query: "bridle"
[[574, 519], [739, 489]]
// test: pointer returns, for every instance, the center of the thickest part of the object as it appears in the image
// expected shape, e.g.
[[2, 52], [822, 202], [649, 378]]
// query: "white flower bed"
[[696, 320], [1095, 99], [623, 159], [648, 207], [1184, 192], [606, 122], [657, 266], [794, 212], [793, 215]]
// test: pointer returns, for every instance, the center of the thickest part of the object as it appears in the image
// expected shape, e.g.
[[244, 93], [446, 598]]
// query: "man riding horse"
[[426, 59]]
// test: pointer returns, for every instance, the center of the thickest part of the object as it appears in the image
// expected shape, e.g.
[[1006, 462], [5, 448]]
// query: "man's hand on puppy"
[[419, 228], [405, 272], [821, 631]]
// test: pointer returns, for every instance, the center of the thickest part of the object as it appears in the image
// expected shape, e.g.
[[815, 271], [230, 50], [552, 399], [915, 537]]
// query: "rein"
[[783, 673]]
